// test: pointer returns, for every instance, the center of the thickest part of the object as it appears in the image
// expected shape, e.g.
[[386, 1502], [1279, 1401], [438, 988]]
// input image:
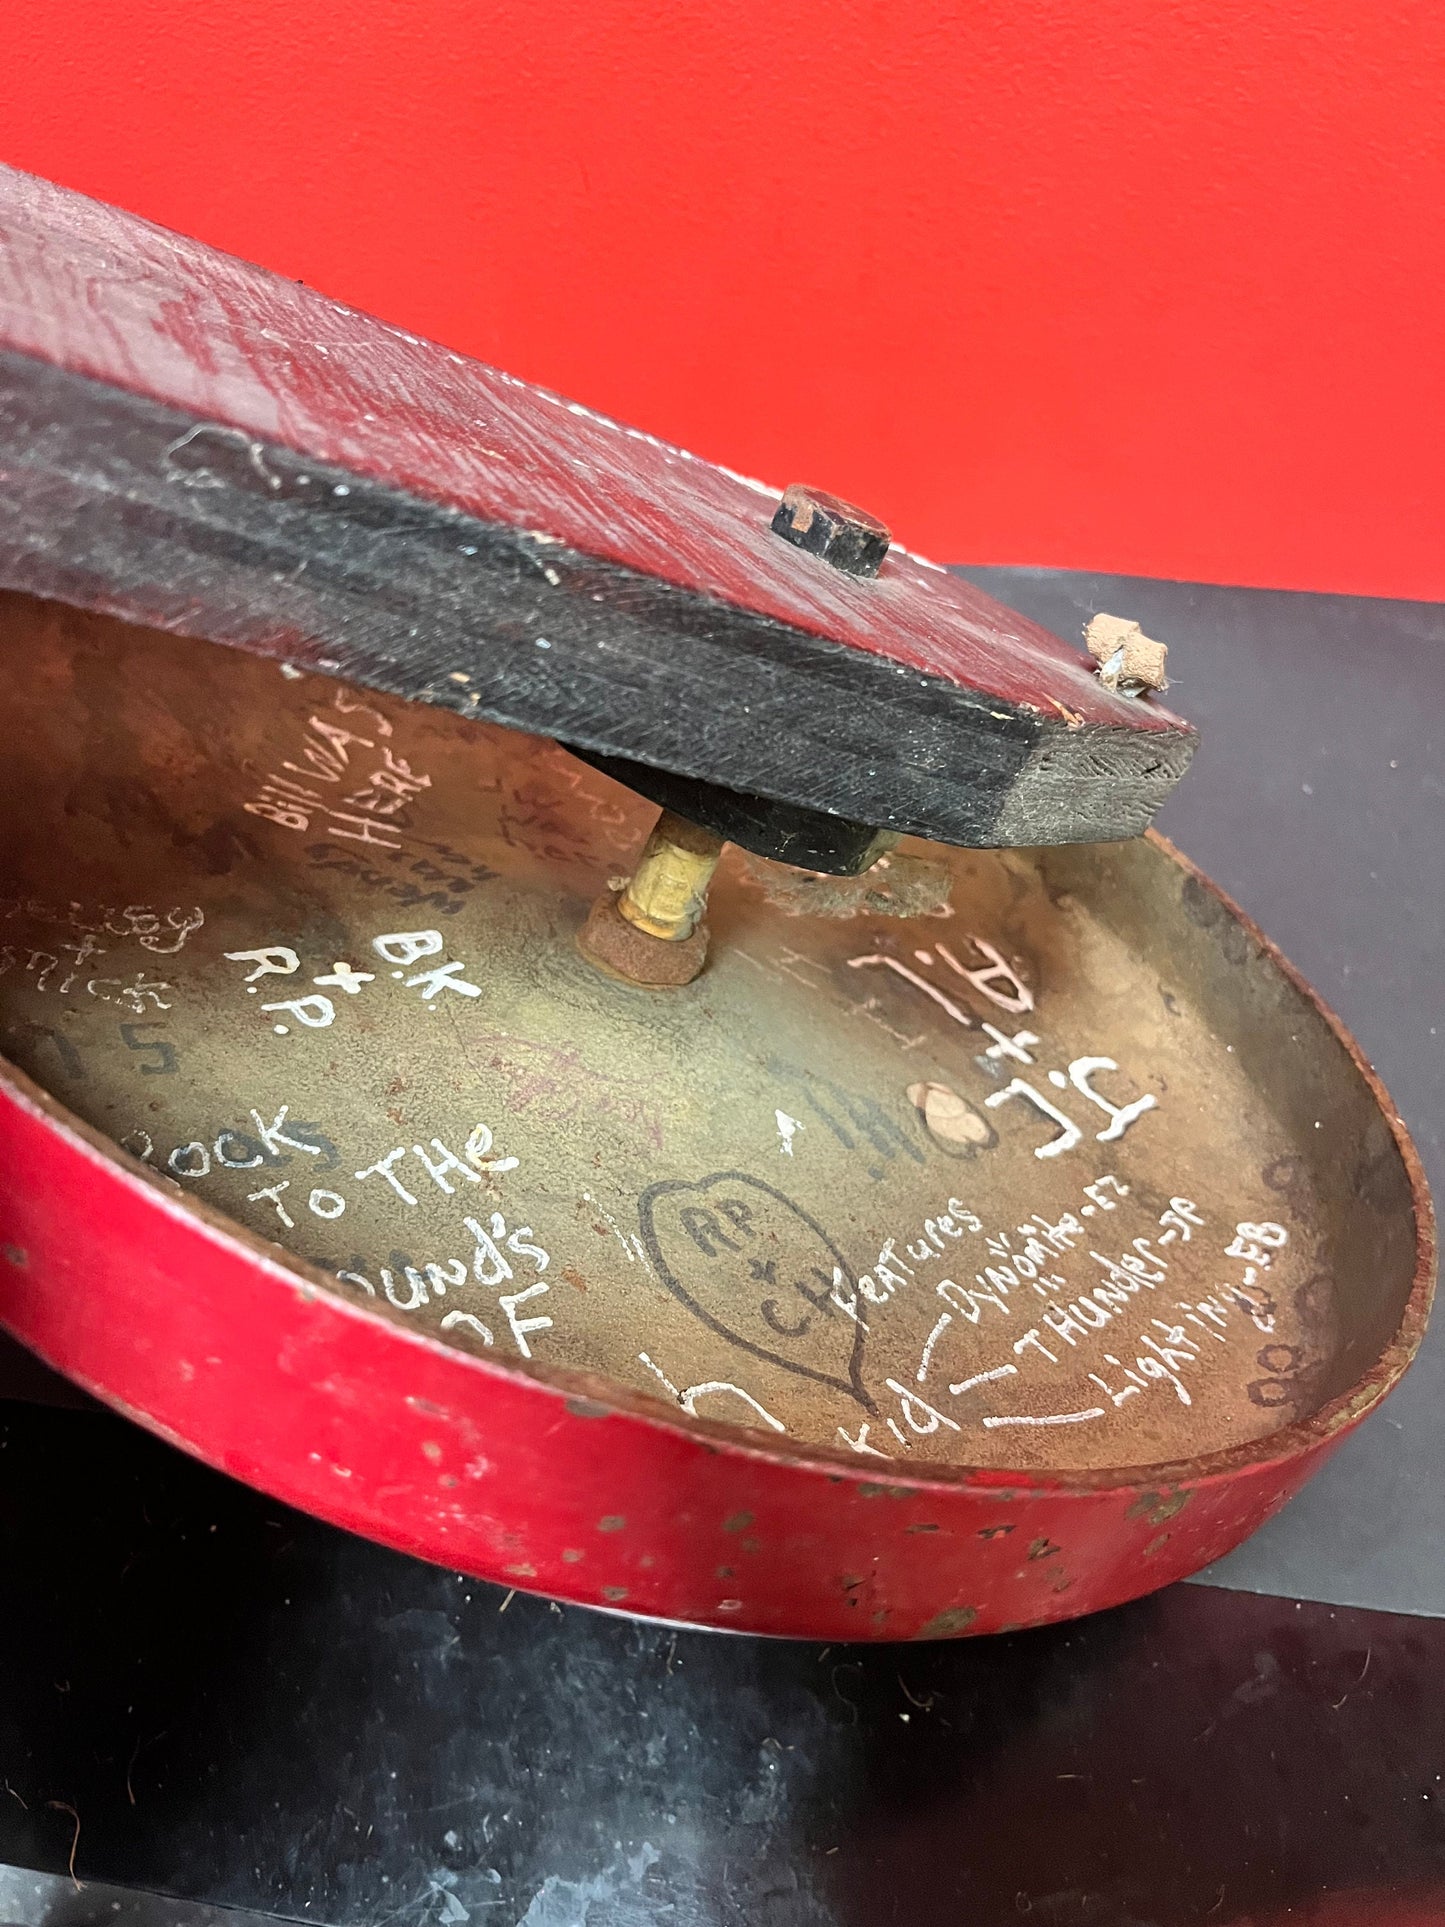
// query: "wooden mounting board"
[[191, 442]]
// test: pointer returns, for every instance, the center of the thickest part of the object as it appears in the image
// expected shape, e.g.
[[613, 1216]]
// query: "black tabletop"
[[210, 1696]]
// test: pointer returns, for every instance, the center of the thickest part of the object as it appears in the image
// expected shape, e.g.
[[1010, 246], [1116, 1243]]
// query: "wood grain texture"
[[192, 442]]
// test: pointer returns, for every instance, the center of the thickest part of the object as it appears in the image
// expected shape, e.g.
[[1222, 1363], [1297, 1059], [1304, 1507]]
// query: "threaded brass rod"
[[667, 892]]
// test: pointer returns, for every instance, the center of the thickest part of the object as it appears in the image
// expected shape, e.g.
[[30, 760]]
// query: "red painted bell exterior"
[[556, 1483]]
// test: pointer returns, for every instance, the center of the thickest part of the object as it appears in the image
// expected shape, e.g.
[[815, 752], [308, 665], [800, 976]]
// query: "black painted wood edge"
[[115, 503]]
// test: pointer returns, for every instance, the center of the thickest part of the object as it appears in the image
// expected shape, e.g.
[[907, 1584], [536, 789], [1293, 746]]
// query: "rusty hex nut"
[[847, 537], [620, 949]]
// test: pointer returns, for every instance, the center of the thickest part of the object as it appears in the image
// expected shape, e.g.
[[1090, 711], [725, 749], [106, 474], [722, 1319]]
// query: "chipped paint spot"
[[16, 1255], [868, 1490], [949, 1623], [431, 1450], [1156, 1545], [614, 1593], [1159, 1507], [1042, 1548], [520, 1572], [570, 1555], [588, 1408], [739, 1522], [927, 1528], [611, 1522], [994, 1532]]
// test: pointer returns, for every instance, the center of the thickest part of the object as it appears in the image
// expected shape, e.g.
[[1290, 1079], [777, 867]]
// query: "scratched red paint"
[[95, 291]]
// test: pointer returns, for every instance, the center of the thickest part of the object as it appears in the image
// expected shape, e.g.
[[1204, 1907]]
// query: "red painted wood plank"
[[96, 291]]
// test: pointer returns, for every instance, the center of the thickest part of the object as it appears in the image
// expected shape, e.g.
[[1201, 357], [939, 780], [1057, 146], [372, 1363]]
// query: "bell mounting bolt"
[[849, 538], [651, 931], [664, 901]]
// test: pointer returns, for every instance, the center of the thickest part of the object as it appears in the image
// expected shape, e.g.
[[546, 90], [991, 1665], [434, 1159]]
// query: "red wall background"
[[1150, 285]]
